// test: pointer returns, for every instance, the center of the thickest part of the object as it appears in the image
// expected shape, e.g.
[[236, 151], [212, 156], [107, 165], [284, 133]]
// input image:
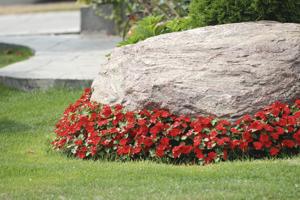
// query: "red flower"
[[181, 149], [164, 114], [118, 107], [275, 136], [145, 113], [247, 136], [123, 141], [206, 120], [268, 144], [197, 141], [274, 151], [174, 132], [119, 116], [263, 138], [291, 120], [279, 130], [244, 146], [143, 130], [176, 151], [247, 118], [87, 91], [268, 128], [234, 130], [148, 142], [154, 117], [288, 143], [81, 153], [113, 130], [296, 136], [220, 127], [123, 150], [286, 110], [105, 143], [198, 153], [60, 143], [297, 115], [257, 145], [93, 150], [160, 151], [141, 122], [154, 130], [78, 142], [136, 150], [197, 127], [297, 103], [213, 134], [256, 125], [276, 112], [235, 143], [223, 141], [212, 155], [260, 115], [165, 141], [106, 111], [282, 122], [186, 149]]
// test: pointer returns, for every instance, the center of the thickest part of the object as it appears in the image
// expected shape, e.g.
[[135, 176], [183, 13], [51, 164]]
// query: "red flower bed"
[[92, 131]]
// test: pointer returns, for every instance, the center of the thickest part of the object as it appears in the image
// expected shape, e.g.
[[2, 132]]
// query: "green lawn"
[[13, 53], [29, 169]]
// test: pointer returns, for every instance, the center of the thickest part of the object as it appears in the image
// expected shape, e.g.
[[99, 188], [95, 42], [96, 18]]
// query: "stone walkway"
[[70, 60], [40, 23]]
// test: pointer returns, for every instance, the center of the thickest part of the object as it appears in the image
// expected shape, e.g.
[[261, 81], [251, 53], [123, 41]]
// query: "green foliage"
[[147, 27], [213, 12], [156, 25], [278, 10], [178, 24]]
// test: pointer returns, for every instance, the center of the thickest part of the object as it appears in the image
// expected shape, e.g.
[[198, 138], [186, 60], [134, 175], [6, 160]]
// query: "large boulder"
[[226, 70]]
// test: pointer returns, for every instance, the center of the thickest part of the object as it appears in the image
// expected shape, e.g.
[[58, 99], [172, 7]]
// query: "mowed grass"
[[10, 54], [29, 169]]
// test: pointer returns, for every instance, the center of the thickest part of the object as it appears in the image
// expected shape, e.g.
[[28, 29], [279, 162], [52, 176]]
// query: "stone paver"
[[63, 57], [60, 60], [40, 23]]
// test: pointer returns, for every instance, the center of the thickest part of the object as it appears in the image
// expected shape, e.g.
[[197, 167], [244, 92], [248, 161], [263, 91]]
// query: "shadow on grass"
[[7, 125]]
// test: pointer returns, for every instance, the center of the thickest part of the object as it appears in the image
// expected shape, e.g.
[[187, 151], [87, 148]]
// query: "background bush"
[[213, 12], [137, 20], [155, 25]]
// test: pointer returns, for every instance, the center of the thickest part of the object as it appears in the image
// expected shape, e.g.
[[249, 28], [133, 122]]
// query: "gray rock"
[[226, 70]]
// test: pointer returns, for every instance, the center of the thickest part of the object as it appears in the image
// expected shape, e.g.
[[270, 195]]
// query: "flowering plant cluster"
[[89, 130]]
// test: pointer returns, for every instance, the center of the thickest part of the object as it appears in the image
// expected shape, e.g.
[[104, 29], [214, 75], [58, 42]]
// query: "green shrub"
[[156, 25], [147, 27], [178, 24], [213, 12], [278, 10]]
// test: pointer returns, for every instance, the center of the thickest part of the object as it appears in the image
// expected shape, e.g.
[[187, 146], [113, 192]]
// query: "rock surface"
[[226, 70]]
